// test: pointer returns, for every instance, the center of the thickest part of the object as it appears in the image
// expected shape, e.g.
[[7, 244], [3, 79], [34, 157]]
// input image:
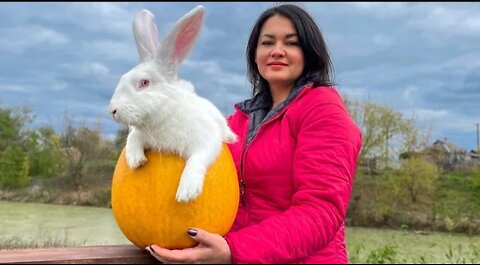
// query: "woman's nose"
[[278, 50]]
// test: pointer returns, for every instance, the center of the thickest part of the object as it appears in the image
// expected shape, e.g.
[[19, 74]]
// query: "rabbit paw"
[[135, 159], [190, 187]]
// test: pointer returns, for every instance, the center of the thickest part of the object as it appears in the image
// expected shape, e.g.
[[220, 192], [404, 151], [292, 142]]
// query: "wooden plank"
[[119, 254]]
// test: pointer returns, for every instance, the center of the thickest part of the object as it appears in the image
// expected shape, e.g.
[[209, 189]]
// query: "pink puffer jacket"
[[296, 177]]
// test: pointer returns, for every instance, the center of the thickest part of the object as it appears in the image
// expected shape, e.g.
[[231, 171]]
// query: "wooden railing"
[[121, 254]]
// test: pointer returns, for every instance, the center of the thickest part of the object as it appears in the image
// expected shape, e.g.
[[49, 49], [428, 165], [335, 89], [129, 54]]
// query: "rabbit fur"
[[162, 111]]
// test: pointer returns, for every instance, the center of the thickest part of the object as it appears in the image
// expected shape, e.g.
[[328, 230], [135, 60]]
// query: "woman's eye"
[[293, 43], [267, 43]]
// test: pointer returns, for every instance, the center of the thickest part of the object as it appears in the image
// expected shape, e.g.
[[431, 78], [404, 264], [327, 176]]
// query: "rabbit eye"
[[143, 84]]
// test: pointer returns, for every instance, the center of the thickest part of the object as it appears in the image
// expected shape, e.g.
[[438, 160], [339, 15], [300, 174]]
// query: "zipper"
[[242, 179], [249, 141], [247, 144], [242, 191]]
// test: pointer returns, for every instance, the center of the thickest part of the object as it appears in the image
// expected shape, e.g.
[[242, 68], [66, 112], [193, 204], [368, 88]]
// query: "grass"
[[42, 238], [380, 246], [46, 242], [38, 242]]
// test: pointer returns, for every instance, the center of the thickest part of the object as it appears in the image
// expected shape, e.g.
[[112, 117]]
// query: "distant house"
[[474, 154], [446, 155]]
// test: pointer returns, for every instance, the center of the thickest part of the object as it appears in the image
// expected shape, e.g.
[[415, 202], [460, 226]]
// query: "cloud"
[[384, 10], [213, 72], [93, 70], [410, 94], [12, 88], [58, 85], [448, 21], [383, 40], [19, 39], [439, 21], [113, 50], [441, 120], [213, 82], [114, 18]]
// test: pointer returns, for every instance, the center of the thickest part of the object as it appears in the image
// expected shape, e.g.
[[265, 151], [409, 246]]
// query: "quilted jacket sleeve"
[[328, 145]]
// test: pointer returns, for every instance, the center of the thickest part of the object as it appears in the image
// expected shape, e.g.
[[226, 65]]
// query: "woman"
[[296, 155]]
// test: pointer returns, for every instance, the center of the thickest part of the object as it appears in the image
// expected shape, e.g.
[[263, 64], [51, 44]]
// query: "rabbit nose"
[[112, 109]]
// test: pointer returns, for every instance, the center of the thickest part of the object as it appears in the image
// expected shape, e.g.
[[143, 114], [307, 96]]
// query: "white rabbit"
[[162, 111]]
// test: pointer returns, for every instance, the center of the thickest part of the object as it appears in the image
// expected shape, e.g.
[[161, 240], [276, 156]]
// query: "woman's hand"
[[211, 248]]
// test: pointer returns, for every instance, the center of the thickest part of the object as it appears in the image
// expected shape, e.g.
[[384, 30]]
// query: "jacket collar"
[[264, 100]]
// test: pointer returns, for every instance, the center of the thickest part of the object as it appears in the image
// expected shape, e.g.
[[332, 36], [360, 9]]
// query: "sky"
[[417, 58]]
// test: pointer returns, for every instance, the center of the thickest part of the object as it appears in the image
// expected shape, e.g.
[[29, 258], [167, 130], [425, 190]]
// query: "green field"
[[377, 246]]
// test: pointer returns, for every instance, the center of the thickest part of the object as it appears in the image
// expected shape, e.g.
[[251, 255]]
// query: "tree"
[[45, 153], [14, 164], [13, 168], [417, 178], [13, 122], [383, 130], [416, 137], [88, 154], [392, 125], [364, 115]]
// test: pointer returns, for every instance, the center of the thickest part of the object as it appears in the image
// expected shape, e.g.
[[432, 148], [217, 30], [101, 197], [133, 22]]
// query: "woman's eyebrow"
[[290, 35]]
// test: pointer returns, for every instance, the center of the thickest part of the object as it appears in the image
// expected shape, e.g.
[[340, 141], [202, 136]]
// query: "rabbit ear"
[[180, 40], [146, 35]]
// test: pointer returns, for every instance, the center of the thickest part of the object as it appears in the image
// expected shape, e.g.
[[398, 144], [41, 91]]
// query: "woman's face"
[[279, 56]]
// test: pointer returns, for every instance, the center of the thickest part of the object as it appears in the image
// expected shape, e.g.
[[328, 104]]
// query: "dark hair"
[[318, 65]]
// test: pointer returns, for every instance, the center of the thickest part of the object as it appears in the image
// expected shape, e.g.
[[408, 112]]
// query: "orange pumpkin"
[[145, 208]]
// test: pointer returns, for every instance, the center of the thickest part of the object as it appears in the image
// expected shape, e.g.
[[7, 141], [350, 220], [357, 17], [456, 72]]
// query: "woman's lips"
[[276, 65]]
